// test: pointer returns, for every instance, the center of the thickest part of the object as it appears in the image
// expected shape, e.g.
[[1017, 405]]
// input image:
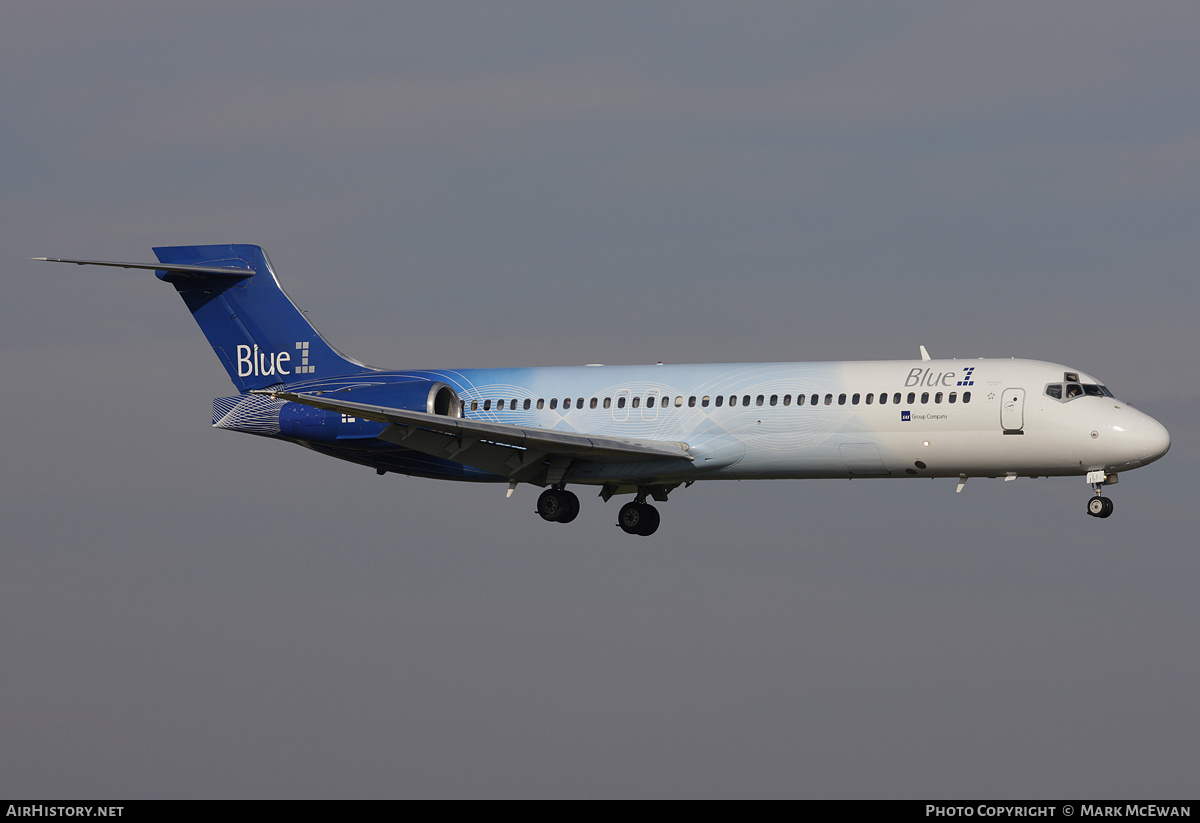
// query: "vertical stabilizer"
[[258, 333]]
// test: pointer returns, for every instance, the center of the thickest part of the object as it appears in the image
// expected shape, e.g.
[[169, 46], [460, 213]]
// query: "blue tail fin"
[[259, 334]]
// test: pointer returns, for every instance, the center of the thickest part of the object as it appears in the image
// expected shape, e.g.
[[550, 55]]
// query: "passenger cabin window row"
[[677, 401]]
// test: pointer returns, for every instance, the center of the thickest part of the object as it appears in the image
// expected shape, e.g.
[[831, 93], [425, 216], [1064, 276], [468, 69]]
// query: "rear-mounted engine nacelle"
[[311, 423], [426, 396]]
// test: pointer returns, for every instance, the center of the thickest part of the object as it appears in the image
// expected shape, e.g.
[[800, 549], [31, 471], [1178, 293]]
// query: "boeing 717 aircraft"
[[646, 430]]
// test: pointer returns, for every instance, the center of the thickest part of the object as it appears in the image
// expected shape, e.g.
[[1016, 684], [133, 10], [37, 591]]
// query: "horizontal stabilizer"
[[206, 271]]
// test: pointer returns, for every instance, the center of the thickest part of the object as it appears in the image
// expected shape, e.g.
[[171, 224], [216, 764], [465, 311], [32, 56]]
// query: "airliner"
[[646, 430]]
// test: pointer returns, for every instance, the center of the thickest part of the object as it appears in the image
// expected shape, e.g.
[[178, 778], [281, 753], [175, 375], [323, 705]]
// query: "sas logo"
[[968, 379], [252, 361], [905, 416]]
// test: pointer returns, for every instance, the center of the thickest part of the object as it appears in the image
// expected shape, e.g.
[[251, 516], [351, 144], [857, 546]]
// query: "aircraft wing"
[[515, 452]]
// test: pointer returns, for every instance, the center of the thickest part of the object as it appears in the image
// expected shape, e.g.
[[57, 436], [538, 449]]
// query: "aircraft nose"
[[1151, 439]]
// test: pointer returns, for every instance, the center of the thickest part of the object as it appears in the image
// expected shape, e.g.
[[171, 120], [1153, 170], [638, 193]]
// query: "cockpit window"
[[1065, 392]]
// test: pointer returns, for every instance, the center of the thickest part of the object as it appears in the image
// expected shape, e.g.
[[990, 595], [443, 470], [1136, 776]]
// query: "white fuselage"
[[921, 418]]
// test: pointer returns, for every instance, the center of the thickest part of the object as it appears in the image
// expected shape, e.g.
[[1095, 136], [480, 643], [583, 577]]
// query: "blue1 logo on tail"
[[253, 362]]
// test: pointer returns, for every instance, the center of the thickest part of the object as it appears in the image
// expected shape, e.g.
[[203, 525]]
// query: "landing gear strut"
[[558, 505]]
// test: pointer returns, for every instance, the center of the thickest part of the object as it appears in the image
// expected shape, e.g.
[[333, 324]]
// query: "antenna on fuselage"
[[925, 354]]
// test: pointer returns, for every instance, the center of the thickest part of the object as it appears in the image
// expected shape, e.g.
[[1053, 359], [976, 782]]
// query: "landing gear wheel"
[[638, 518], [572, 507], [650, 524], [558, 506], [1100, 507]]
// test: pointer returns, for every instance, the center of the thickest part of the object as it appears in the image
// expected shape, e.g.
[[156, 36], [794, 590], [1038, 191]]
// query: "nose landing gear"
[[1100, 506]]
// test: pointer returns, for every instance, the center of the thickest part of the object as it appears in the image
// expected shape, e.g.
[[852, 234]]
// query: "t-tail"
[[256, 330]]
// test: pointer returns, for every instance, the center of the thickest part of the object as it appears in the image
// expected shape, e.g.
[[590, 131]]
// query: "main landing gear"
[[558, 505], [561, 506], [639, 518]]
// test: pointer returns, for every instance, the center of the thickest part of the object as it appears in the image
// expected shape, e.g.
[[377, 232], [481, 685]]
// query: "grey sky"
[[188, 612]]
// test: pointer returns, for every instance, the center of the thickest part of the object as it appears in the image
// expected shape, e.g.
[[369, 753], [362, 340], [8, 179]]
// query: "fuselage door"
[[620, 407], [650, 405], [1012, 411], [862, 460]]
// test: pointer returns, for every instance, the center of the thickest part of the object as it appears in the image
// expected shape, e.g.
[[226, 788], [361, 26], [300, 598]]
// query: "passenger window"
[[883, 398], [608, 402], [487, 405], [746, 400], [678, 400], [758, 401], [637, 401], [500, 405], [829, 400], [896, 398], [620, 402], [733, 399], [854, 400], [870, 397], [720, 400], [474, 405], [566, 403], [953, 397], [800, 400], [541, 403], [579, 403], [774, 400], [787, 400], [912, 397], [592, 403], [966, 397], [841, 399], [924, 397], [816, 398], [704, 402], [554, 402], [937, 398], [650, 401], [691, 401]]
